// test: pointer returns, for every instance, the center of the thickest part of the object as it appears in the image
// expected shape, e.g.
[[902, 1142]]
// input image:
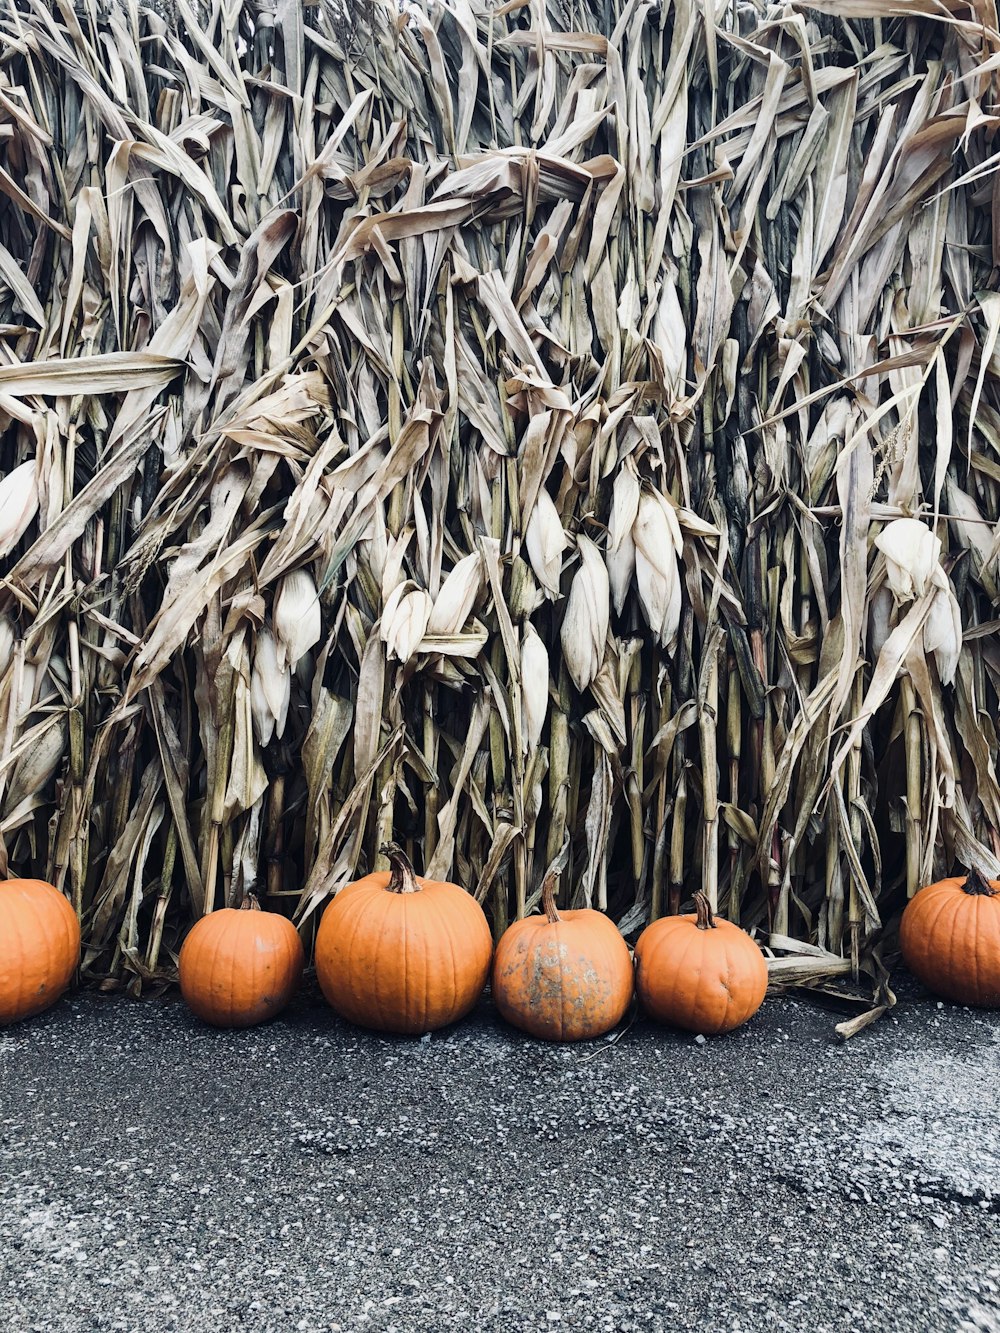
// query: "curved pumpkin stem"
[[549, 899], [706, 921], [977, 885], [250, 903], [402, 879]]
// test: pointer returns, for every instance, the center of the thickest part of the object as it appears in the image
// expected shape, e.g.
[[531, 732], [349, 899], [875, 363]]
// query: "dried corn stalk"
[[499, 437]]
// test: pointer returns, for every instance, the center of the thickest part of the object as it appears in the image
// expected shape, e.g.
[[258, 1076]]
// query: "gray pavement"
[[156, 1175]]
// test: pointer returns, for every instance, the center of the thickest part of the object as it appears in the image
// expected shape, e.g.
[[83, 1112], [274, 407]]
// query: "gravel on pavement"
[[158, 1176]]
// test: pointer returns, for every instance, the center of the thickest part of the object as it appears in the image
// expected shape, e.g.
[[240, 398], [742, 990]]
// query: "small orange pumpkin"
[[698, 973], [240, 966], [562, 976], [949, 936], [399, 953], [39, 947]]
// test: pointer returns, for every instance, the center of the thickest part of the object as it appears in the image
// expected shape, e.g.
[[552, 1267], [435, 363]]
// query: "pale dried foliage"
[[487, 440]]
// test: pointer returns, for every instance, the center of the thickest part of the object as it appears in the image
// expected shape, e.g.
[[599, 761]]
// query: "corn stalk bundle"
[[550, 427]]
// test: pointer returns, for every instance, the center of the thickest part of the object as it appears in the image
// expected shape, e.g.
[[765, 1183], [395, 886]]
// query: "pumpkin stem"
[[977, 885], [706, 921], [250, 903], [549, 899], [402, 879]]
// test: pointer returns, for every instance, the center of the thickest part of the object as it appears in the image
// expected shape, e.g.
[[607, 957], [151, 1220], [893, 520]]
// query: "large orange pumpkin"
[[399, 953], [562, 976], [39, 947], [950, 939], [699, 973], [240, 966]]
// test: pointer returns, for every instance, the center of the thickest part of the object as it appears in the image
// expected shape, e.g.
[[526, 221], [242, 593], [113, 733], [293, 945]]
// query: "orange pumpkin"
[[562, 976], [698, 973], [39, 947], [399, 953], [949, 936], [240, 966]]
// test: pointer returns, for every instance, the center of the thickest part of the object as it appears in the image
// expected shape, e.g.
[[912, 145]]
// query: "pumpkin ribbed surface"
[[405, 960], [39, 947], [704, 978], [949, 936], [240, 966]]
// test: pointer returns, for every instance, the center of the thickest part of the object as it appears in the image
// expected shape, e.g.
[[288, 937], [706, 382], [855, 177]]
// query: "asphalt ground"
[[157, 1175]]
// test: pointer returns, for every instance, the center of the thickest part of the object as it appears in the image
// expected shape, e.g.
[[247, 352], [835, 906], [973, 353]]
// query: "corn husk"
[[545, 541], [658, 543], [943, 628], [912, 553], [6, 642], [585, 625], [270, 689], [453, 604], [405, 620], [298, 622], [534, 688], [620, 553], [18, 504]]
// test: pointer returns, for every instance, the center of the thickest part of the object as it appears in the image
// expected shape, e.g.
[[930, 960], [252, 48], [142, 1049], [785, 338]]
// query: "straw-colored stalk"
[[515, 432]]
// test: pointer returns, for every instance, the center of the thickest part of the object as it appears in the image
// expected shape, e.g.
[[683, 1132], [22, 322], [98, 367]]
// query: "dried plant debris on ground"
[[523, 423]]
